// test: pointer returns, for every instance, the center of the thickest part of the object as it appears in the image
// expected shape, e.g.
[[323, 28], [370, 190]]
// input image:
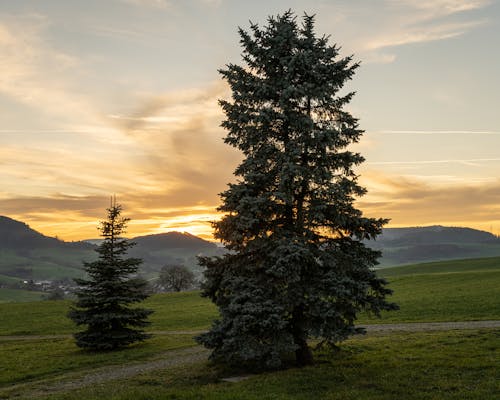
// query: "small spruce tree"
[[298, 267], [104, 299]]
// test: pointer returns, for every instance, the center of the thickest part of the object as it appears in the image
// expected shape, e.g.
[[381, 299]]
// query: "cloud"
[[408, 201], [420, 34], [165, 153], [213, 3], [470, 161], [431, 132], [407, 22], [161, 4], [181, 140], [77, 217], [437, 8], [166, 170], [46, 89], [37, 75]]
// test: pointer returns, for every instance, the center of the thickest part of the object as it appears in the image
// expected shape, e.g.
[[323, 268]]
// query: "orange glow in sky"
[[121, 98]]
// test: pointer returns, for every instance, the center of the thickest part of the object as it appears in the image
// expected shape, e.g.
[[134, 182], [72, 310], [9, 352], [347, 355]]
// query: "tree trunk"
[[303, 354]]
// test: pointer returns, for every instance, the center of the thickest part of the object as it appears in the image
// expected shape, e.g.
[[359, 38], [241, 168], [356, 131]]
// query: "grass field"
[[460, 296], [25, 360], [52, 263], [16, 295], [459, 290], [175, 311], [4, 279], [468, 291], [455, 266], [433, 365]]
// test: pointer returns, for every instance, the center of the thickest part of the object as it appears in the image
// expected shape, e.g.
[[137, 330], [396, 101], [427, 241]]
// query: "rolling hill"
[[171, 248], [433, 243], [27, 254]]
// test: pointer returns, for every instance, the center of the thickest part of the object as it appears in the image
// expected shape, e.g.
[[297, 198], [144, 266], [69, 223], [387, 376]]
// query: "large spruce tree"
[[105, 298], [298, 266]]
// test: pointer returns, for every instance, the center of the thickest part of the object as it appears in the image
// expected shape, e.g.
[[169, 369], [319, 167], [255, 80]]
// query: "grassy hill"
[[16, 295], [443, 267], [445, 365], [444, 291], [172, 247], [433, 243], [29, 255]]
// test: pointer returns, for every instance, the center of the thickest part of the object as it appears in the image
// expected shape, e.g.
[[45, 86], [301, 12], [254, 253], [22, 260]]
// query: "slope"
[[433, 243]]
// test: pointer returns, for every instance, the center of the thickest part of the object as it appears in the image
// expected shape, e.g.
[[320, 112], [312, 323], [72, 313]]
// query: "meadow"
[[437, 365], [18, 295], [426, 365]]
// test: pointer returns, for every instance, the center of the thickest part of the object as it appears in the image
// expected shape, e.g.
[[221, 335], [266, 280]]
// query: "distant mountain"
[[173, 240], [171, 248], [18, 235], [27, 254], [433, 243]]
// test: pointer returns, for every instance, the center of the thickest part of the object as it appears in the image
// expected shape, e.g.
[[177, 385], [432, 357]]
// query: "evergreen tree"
[[298, 267], [104, 298]]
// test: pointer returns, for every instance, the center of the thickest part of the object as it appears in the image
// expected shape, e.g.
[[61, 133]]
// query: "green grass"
[[447, 291], [438, 365], [37, 318], [474, 265], [51, 271], [459, 290], [9, 280], [45, 263], [17, 295], [461, 296], [181, 311], [173, 311], [26, 360], [67, 258]]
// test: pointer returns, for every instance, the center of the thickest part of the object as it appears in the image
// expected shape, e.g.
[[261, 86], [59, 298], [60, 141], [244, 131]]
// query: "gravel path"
[[97, 376], [183, 357], [407, 327], [68, 336], [431, 326]]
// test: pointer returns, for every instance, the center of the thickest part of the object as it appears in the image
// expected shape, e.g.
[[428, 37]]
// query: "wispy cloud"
[[409, 201], [161, 4], [471, 161], [39, 76], [77, 217], [421, 34], [167, 169], [181, 139], [438, 8], [406, 22], [439, 132], [214, 3], [164, 152]]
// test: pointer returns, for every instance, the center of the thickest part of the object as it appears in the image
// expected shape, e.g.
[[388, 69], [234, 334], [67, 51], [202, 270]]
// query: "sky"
[[119, 97]]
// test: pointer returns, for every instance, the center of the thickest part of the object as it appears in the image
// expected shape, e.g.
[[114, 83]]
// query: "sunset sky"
[[103, 97]]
